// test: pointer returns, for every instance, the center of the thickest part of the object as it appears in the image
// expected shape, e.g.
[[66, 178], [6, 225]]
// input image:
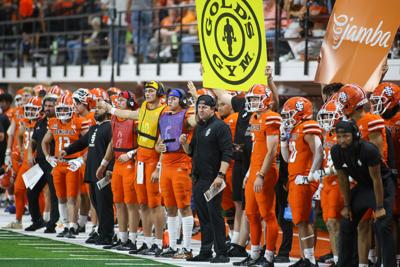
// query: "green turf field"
[[28, 251]]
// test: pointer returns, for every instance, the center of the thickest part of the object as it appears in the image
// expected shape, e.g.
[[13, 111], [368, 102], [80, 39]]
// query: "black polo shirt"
[[38, 134]]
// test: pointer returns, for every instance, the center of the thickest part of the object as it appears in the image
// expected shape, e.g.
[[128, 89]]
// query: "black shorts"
[[238, 174]]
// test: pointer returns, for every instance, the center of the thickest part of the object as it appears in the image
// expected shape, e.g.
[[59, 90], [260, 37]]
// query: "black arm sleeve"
[[238, 103], [336, 157], [370, 153], [78, 145], [225, 143], [192, 143]]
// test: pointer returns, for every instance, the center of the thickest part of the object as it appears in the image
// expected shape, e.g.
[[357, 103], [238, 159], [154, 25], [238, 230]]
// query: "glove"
[[75, 164], [284, 134], [317, 194], [301, 180], [330, 170], [52, 161], [315, 175]]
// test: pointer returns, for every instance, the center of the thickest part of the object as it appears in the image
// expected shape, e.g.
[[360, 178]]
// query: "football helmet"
[[53, 92], [258, 98], [113, 91], [329, 115], [32, 108], [81, 95], [64, 107], [40, 90], [25, 94], [385, 97], [114, 101], [295, 110], [350, 98]]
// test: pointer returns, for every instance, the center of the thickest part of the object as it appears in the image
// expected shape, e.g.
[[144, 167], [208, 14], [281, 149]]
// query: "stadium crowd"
[[107, 157]]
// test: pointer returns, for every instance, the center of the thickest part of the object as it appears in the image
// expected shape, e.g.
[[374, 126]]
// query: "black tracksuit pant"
[[362, 199], [212, 223], [102, 201], [33, 195]]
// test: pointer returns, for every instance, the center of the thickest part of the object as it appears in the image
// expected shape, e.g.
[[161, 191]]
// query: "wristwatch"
[[222, 175]]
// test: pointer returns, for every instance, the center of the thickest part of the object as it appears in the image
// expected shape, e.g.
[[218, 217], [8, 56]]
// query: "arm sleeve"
[[2, 128], [336, 157], [370, 154], [238, 103], [225, 142], [192, 143], [78, 145], [35, 132]]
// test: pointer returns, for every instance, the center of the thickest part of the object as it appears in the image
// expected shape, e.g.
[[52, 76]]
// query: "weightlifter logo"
[[232, 39]]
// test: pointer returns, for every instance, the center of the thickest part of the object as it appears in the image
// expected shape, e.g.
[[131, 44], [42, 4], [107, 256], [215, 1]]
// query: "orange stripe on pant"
[[176, 185], [261, 205], [123, 183], [66, 182], [20, 191]]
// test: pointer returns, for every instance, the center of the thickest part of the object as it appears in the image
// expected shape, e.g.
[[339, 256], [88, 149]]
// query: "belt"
[[66, 160]]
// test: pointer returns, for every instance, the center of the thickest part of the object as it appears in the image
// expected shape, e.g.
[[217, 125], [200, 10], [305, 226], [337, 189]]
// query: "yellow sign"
[[232, 42]]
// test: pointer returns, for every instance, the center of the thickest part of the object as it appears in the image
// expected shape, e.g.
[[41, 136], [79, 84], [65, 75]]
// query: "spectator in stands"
[[141, 22], [269, 19]]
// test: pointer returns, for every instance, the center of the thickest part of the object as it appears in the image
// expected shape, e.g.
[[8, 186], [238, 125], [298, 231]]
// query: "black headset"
[[355, 131], [130, 101], [183, 101]]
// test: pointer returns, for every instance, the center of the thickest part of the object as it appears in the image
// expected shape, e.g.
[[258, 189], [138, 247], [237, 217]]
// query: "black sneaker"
[[201, 258], [267, 264], [154, 250], [227, 241], [50, 230], [140, 250], [168, 253], [237, 251], [307, 263], [252, 262], [104, 241], [220, 259], [93, 232], [113, 245], [72, 233], [63, 233], [282, 259], [326, 257], [298, 263], [126, 246], [243, 262], [81, 229], [35, 226], [92, 238]]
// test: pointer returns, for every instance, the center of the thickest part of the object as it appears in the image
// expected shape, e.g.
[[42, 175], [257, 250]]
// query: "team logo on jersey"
[[208, 132], [232, 38], [343, 97], [299, 106], [255, 127], [388, 91]]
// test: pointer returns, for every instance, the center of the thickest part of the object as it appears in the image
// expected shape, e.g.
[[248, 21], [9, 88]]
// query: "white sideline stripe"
[[68, 259], [130, 264]]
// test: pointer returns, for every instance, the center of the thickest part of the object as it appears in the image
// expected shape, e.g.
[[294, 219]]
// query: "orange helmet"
[[53, 92], [204, 91], [114, 101], [64, 107], [96, 95], [23, 95], [350, 98], [81, 95], [113, 91], [295, 110], [32, 108], [258, 98], [385, 97], [329, 115], [39, 90], [66, 92]]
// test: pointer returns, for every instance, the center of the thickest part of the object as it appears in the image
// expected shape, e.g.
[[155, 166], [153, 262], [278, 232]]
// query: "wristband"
[[158, 165], [259, 173], [112, 111], [8, 151], [379, 207], [221, 174], [104, 163], [131, 153]]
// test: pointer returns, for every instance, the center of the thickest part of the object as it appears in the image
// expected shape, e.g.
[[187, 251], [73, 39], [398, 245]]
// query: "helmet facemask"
[[31, 112], [64, 112]]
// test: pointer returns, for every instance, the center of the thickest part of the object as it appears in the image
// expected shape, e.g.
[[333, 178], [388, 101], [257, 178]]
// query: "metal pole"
[[306, 67], [180, 42], [277, 37], [112, 17]]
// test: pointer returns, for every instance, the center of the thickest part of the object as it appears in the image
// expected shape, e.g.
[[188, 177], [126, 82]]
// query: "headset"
[[131, 102], [158, 86], [355, 132], [183, 101]]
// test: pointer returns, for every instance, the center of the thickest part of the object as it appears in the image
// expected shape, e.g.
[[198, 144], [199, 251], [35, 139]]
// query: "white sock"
[[158, 242], [148, 240], [235, 237], [173, 224], [73, 225], [335, 259], [82, 220], [269, 255], [255, 252], [187, 226], [309, 254], [63, 210], [132, 237], [46, 216], [230, 234], [123, 236], [362, 265]]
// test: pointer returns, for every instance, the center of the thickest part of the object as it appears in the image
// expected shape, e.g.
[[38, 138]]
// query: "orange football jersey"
[[372, 123], [66, 134], [231, 121], [261, 126], [394, 126], [300, 155], [329, 142], [90, 119], [29, 127], [18, 115]]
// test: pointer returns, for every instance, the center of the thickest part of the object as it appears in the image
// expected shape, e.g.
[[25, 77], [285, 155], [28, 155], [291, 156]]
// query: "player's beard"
[[100, 117]]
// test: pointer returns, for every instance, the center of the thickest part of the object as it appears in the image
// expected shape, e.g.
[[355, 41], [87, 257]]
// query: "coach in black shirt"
[[211, 151], [97, 139], [374, 190]]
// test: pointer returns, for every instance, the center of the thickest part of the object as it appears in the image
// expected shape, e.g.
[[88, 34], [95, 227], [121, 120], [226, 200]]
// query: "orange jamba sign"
[[358, 38]]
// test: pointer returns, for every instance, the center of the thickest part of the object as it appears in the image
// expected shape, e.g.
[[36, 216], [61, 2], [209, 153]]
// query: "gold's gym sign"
[[232, 41]]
